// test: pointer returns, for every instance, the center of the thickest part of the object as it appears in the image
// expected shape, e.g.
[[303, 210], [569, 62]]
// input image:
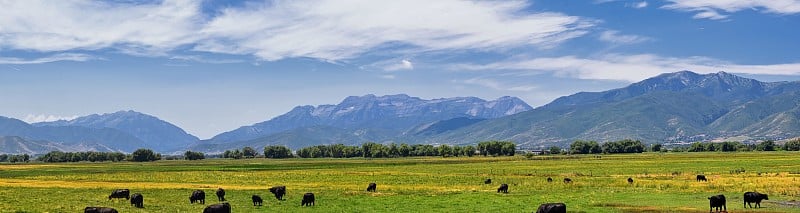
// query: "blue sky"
[[212, 66]]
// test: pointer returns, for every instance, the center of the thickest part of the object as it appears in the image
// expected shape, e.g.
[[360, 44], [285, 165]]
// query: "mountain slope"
[[156, 134], [71, 137], [391, 113], [682, 106]]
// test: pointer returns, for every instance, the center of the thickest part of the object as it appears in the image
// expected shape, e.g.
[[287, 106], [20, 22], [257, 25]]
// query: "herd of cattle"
[[199, 196], [717, 202]]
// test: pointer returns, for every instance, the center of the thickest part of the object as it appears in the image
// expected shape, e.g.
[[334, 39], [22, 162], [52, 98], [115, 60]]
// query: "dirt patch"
[[791, 203], [627, 208]]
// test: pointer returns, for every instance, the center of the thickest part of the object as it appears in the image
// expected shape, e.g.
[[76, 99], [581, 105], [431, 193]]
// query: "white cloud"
[[712, 9], [46, 26], [47, 59], [613, 36], [496, 85], [631, 68], [30, 118], [709, 14], [404, 64], [640, 5], [336, 30], [329, 30], [201, 59]]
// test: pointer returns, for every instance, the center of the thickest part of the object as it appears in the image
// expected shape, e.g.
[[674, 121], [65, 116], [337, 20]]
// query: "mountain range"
[[361, 118], [672, 107]]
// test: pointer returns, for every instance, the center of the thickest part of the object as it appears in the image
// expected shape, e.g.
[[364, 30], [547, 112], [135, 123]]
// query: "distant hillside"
[[156, 134], [682, 106], [67, 137]]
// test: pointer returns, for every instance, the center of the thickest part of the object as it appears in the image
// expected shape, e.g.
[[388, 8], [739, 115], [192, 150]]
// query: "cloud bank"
[[273, 30], [630, 68]]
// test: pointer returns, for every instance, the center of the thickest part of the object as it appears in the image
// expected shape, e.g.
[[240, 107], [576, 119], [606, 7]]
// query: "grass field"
[[663, 183]]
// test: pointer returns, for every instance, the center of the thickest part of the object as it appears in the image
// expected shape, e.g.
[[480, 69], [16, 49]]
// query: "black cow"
[[630, 180], [567, 180], [92, 209], [503, 188], [549, 179], [221, 194], [701, 178], [372, 187], [308, 199], [257, 200], [120, 193], [218, 208], [198, 196], [552, 208], [718, 202], [487, 181], [754, 197], [278, 191], [137, 200]]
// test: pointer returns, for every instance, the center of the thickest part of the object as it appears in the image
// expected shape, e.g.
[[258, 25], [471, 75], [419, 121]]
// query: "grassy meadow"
[[662, 183]]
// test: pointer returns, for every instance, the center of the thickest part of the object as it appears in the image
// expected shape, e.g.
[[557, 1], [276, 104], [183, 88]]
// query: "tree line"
[[376, 150], [140, 155], [612, 147], [14, 158], [635, 146]]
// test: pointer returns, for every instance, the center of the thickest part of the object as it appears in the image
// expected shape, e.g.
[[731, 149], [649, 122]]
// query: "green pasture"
[[662, 183]]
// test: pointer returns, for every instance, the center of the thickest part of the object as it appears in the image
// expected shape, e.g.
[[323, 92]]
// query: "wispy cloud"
[[31, 118], [495, 84], [201, 59], [613, 36], [639, 5], [46, 26], [336, 30], [629, 68], [47, 59], [713, 9], [328, 30]]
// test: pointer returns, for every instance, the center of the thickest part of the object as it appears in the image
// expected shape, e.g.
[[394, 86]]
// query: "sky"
[[212, 66]]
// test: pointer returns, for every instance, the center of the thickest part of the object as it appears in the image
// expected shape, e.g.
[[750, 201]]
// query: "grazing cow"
[[257, 200], [198, 196], [278, 191], [487, 181], [567, 180], [92, 209], [372, 187], [137, 200], [120, 193], [308, 199], [503, 188], [754, 197], [718, 202], [552, 208], [549, 179], [218, 208], [221, 194], [630, 180], [701, 178]]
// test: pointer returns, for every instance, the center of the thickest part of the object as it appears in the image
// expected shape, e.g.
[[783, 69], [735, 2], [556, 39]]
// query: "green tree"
[[793, 145], [555, 150], [469, 151], [697, 147], [142, 155], [277, 152], [249, 152], [656, 147], [767, 145], [189, 155]]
